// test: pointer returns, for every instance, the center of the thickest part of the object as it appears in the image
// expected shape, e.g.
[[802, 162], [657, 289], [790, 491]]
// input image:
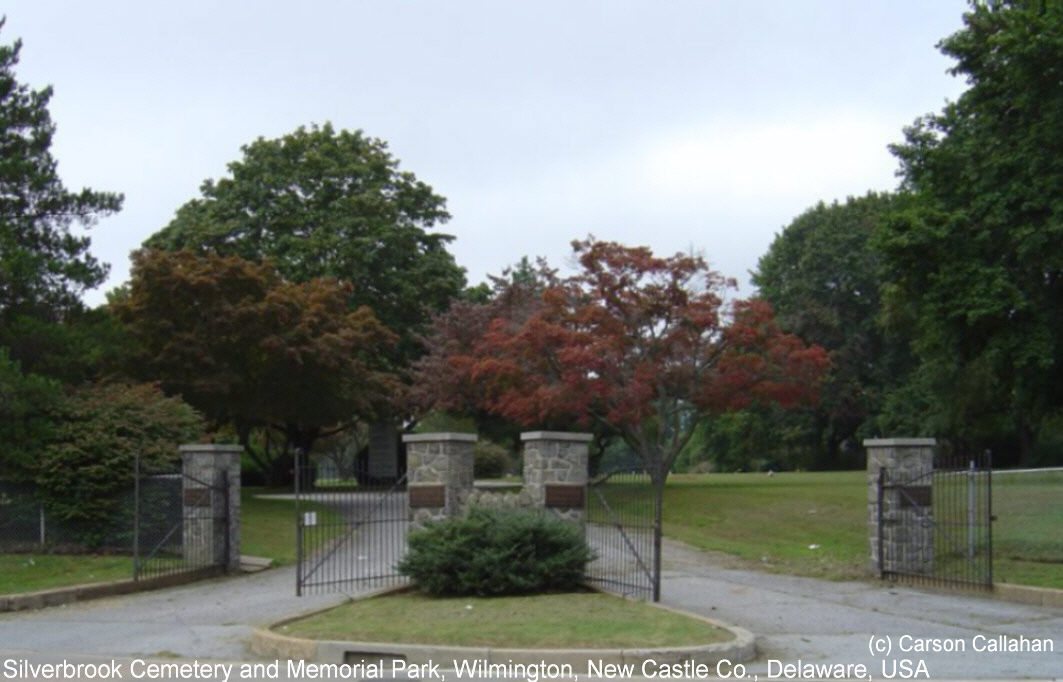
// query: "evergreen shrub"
[[497, 552]]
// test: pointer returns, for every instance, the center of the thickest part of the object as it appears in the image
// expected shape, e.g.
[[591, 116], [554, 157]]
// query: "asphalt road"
[[798, 621]]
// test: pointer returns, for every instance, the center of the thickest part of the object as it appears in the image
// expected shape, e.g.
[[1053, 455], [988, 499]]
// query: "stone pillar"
[[211, 500], [439, 474], [906, 544], [555, 471]]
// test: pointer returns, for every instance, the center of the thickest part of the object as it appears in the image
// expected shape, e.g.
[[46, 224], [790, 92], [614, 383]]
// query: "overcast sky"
[[704, 125]]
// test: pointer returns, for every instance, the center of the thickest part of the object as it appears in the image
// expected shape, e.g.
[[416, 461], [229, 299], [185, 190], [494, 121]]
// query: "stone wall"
[[907, 540], [499, 499]]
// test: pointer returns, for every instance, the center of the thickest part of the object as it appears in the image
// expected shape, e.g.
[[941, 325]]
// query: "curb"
[[59, 596], [27, 601], [268, 643], [1026, 594]]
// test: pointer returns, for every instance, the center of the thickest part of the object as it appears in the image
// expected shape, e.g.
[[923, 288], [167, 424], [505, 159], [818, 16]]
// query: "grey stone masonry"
[[907, 542], [211, 501], [439, 474], [555, 470]]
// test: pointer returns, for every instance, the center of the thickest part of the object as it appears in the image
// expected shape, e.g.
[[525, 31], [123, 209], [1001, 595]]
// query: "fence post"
[[899, 476], [439, 474], [210, 494], [555, 471]]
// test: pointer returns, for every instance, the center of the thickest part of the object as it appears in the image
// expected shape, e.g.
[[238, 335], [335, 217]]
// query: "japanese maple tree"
[[247, 347], [637, 343]]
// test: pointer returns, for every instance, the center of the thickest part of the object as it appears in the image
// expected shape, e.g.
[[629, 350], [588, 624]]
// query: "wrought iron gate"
[[623, 529], [348, 538], [180, 523], [935, 526]]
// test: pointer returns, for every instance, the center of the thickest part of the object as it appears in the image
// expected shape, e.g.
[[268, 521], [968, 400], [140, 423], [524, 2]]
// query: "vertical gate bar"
[[972, 512], [881, 543], [136, 516], [225, 515], [989, 518], [298, 531], [657, 499], [954, 547]]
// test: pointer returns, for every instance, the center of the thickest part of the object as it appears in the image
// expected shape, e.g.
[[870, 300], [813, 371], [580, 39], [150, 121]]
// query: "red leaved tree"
[[243, 345], [641, 345]]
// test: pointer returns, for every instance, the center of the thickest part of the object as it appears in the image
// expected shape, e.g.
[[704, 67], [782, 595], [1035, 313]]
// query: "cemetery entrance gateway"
[[352, 538]]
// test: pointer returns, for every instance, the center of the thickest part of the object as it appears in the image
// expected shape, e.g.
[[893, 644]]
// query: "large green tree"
[[975, 268], [823, 278], [325, 203], [44, 267]]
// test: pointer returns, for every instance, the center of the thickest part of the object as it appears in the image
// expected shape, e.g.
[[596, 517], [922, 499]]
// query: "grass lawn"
[[588, 619], [812, 524], [1027, 536], [32, 572], [267, 527]]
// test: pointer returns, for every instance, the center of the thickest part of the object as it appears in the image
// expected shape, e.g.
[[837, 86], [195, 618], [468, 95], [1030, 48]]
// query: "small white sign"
[[309, 518]]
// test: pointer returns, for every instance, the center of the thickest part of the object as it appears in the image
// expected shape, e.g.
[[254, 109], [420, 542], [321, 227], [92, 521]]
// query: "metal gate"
[[935, 527], [180, 523], [623, 529], [348, 537]]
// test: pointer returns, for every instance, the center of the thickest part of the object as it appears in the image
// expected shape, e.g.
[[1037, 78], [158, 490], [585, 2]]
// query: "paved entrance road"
[[794, 618], [818, 621]]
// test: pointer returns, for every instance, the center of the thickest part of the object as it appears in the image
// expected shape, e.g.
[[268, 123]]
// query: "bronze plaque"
[[427, 496], [914, 496], [197, 497], [564, 496]]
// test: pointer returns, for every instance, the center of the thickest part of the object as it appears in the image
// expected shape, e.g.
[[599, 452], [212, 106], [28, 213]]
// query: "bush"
[[84, 470], [496, 552], [490, 460]]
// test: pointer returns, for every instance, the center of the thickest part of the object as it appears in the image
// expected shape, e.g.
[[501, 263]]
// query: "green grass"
[[544, 621], [770, 522], [268, 526], [32, 572], [1027, 548]]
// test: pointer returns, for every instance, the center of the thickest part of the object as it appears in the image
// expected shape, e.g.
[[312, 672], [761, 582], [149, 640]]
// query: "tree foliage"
[[321, 203], [44, 266], [29, 405], [974, 267], [245, 346], [641, 344], [823, 278], [88, 461]]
